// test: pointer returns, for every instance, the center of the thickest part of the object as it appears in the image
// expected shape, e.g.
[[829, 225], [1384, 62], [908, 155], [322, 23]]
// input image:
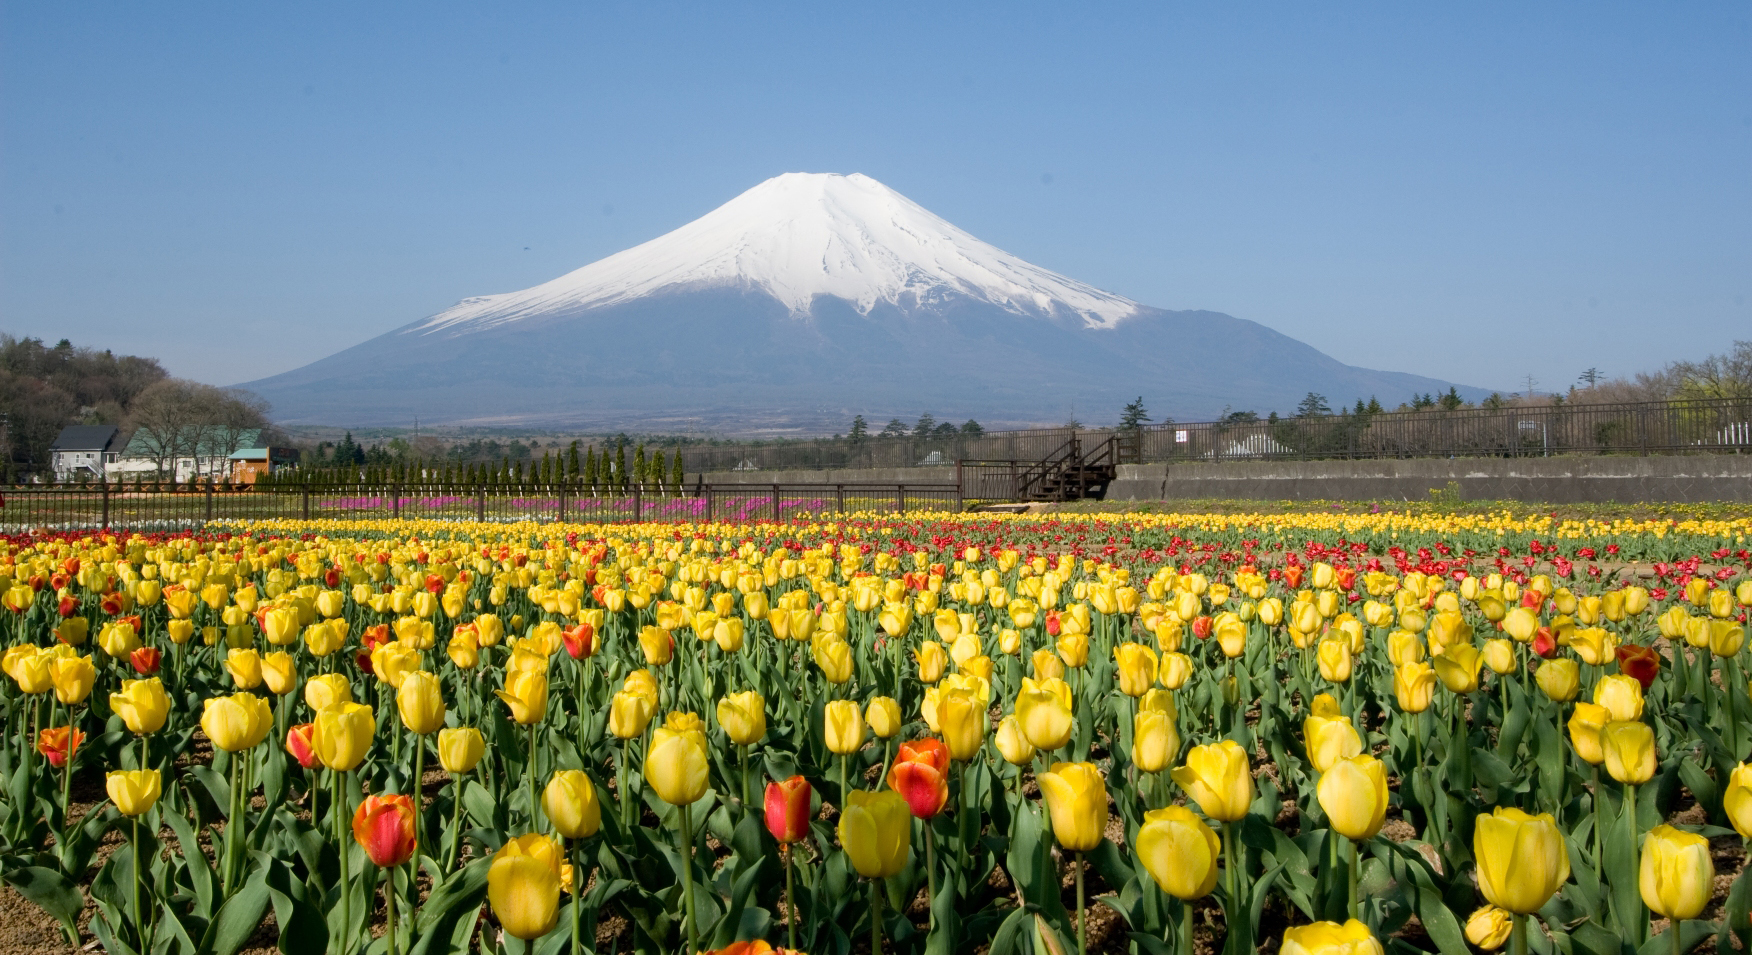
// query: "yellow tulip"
[[629, 713], [844, 727], [1726, 637], [963, 722], [1330, 938], [743, 717], [1559, 679], [1489, 927], [324, 691], [1677, 875], [1414, 684], [324, 638], [1737, 799], [1179, 851], [133, 791], [1218, 777], [420, 699], [460, 748], [1353, 794], [1629, 747], [932, 661], [1175, 670], [570, 803], [1155, 741], [236, 722], [1044, 709], [1137, 668], [876, 832], [676, 766], [73, 677], [118, 639], [341, 735], [1621, 695], [526, 693], [1457, 667], [280, 625], [142, 704], [180, 631], [1520, 623], [1073, 648], [1330, 739], [1047, 665], [1076, 796], [523, 885], [1012, 743], [1404, 647], [883, 715], [1584, 729], [1334, 660], [1596, 647], [834, 657], [1522, 860]]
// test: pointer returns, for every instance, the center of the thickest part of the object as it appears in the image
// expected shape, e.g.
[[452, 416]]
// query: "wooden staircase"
[[1077, 470]]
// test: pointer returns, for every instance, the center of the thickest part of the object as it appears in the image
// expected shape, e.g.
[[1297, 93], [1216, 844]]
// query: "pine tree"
[[676, 478], [572, 462], [620, 464], [639, 475], [656, 473], [589, 473], [860, 431], [1133, 416]]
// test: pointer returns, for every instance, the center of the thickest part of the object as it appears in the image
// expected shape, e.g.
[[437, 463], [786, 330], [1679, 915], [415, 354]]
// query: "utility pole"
[[1531, 383]]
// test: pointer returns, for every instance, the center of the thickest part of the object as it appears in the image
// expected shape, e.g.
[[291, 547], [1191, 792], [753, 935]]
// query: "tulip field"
[[933, 733]]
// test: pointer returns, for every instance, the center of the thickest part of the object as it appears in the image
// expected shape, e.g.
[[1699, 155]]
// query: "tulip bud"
[[1155, 741], [883, 716], [1522, 860], [343, 735], [1219, 778], [1677, 875], [629, 713], [1353, 794], [1012, 743], [1629, 748], [523, 886], [788, 809], [1489, 927], [1044, 710], [420, 700], [1621, 696], [876, 832], [236, 722], [844, 726], [142, 704], [1559, 679], [570, 803], [460, 748], [1329, 740], [384, 827], [1076, 797], [743, 717], [1330, 938], [676, 766], [1179, 851], [133, 791]]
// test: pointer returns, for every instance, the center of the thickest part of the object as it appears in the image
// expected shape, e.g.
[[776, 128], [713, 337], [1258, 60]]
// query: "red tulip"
[[110, 604], [384, 826], [921, 775], [1293, 576], [1201, 627], [787, 809], [145, 660], [1545, 642], [301, 743], [69, 606], [1642, 663], [1052, 623], [59, 743], [580, 641]]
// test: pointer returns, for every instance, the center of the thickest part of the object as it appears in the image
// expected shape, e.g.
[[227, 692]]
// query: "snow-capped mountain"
[[799, 303], [800, 235]]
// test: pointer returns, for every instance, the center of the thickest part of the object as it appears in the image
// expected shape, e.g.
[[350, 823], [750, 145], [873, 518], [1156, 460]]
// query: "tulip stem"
[[335, 805], [577, 891], [626, 804], [455, 825], [231, 824], [1186, 925], [1356, 911], [419, 825], [1229, 871], [529, 773], [1599, 818], [842, 783], [875, 918], [389, 903], [1082, 922], [791, 905], [687, 875], [930, 867], [139, 915], [1517, 935]]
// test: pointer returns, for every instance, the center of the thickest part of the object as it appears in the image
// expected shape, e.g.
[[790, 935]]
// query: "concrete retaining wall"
[[1555, 480]]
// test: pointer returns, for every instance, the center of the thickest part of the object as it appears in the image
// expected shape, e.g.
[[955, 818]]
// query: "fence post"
[[839, 496], [562, 516], [900, 498], [209, 501], [959, 503], [395, 501], [106, 505], [481, 504], [707, 494], [638, 502], [776, 514]]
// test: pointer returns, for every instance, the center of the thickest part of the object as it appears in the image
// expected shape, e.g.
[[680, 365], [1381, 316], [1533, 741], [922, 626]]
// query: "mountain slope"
[[803, 301]]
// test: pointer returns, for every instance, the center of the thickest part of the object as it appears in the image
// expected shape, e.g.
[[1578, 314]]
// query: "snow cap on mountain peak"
[[800, 235]]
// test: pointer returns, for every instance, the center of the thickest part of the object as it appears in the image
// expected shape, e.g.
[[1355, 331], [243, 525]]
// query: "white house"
[[205, 455]]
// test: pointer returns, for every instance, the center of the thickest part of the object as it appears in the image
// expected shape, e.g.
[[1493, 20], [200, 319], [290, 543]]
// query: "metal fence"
[[1716, 426], [149, 507]]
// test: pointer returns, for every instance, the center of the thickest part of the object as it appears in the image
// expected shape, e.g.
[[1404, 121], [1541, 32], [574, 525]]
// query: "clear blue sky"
[[1475, 192]]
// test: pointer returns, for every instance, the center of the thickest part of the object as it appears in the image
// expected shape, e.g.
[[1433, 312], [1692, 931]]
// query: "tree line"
[[586, 467]]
